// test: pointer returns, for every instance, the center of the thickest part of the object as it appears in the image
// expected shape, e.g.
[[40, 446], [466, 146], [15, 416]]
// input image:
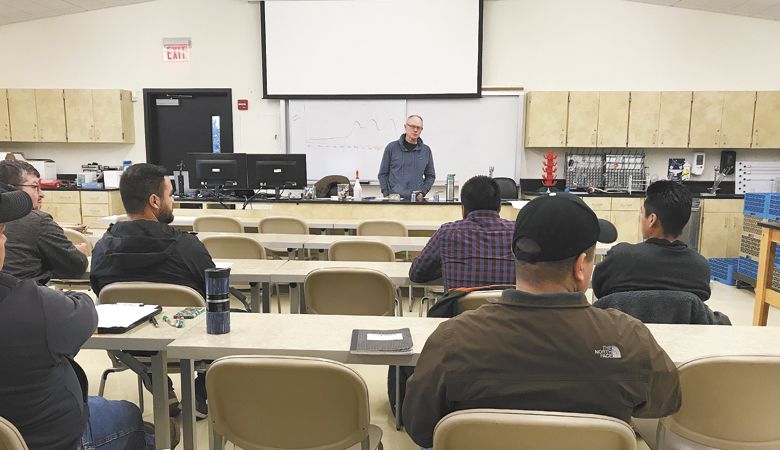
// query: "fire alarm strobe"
[[243, 104]]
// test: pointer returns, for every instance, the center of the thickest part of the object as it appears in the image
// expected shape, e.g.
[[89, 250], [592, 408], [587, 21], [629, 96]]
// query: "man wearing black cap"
[[542, 346], [43, 392]]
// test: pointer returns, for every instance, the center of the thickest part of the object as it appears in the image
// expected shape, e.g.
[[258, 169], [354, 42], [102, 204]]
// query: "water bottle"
[[126, 164], [357, 191], [450, 187], [217, 298]]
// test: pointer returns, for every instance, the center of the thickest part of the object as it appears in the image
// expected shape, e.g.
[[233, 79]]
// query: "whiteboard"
[[371, 48], [466, 136]]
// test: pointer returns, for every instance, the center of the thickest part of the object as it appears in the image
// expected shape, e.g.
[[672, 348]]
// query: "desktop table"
[[329, 337], [770, 235], [146, 337]]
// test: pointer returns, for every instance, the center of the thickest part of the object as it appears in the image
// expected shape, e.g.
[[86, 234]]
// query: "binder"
[[120, 317], [381, 342]]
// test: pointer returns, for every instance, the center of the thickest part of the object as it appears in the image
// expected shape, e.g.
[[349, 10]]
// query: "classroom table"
[[147, 337], [330, 336], [770, 235]]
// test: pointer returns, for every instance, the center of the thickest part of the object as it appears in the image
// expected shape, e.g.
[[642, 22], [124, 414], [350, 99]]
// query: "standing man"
[[407, 164], [37, 248]]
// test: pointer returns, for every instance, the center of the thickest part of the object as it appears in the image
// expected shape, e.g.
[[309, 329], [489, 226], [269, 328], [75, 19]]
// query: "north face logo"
[[609, 352]]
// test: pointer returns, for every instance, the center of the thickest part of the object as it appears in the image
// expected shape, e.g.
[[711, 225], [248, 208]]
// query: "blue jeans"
[[114, 424]]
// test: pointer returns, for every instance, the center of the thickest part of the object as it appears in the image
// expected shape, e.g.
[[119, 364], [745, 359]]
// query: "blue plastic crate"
[[722, 270], [747, 268], [756, 204], [773, 208]]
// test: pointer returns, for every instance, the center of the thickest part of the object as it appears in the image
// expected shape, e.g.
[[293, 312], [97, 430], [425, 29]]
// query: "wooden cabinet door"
[[734, 234], [674, 119], [714, 234], [22, 115], [643, 115], [583, 119], [613, 119], [627, 224], [736, 129], [78, 115], [50, 107], [5, 122], [128, 122], [107, 109], [706, 115], [545, 119], [766, 126]]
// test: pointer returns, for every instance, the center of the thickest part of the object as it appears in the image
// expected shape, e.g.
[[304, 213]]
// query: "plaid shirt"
[[475, 251]]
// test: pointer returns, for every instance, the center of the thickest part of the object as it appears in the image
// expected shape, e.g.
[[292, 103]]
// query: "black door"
[[181, 121]]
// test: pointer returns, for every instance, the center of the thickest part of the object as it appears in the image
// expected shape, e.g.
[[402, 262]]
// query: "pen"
[[153, 321]]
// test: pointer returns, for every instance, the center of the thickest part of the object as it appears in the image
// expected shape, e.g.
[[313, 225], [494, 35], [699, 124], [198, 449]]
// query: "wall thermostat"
[[697, 168]]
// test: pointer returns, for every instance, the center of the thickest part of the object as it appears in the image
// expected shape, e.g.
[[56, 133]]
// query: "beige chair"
[[301, 403], [728, 402], [358, 250], [353, 291], [233, 247], [225, 224], [77, 238], [381, 228], [283, 225], [497, 429], [10, 438], [142, 292], [474, 300]]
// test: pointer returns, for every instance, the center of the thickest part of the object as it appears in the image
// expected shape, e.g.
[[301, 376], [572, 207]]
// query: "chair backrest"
[[657, 306], [326, 186], [728, 402], [382, 228], [358, 250], [497, 429], [234, 247], [301, 403], [352, 291], [76, 238], [283, 225], [10, 438], [162, 294], [507, 187], [225, 224], [474, 300]]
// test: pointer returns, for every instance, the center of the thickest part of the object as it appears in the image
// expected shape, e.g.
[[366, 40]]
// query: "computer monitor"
[[217, 170], [277, 171]]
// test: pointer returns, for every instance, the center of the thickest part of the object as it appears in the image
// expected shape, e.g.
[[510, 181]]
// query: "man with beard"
[[147, 248]]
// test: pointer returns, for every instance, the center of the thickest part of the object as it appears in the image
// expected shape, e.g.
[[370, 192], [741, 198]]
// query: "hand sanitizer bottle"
[[357, 191]]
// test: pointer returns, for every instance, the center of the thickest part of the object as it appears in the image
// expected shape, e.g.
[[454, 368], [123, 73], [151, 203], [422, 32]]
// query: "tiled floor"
[[737, 304]]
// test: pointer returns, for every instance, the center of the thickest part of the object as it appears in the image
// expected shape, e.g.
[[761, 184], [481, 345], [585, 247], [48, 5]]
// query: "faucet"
[[719, 176]]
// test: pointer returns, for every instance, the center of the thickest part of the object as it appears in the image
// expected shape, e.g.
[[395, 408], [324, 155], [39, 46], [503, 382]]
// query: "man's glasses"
[[414, 127], [37, 187]]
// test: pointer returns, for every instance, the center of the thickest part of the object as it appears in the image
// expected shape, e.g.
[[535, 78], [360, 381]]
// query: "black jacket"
[[41, 393], [145, 250], [655, 264]]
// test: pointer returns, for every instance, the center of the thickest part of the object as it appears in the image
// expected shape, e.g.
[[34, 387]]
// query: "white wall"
[[535, 44]]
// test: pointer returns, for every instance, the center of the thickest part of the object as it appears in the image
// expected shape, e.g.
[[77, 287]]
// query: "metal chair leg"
[[140, 394]]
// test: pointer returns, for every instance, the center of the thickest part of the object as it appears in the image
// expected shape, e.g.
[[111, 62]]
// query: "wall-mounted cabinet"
[[80, 115], [643, 118], [5, 122], [706, 114], [583, 120], [736, 128], [674, 119], [613, 119], [104, 115], [545, 119], [766, 126]]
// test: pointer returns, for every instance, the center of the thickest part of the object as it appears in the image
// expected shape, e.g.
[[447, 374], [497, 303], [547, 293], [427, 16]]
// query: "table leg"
[[765, 266], [188, 404], [254, 297], [295, 298], [398, 421], [162, 430], [267, 297]]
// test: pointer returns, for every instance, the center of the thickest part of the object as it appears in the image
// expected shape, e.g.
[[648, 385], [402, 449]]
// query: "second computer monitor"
[[217, 170], [277, 171]]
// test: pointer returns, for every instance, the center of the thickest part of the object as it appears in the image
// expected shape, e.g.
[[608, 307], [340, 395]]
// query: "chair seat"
[[374, 438]]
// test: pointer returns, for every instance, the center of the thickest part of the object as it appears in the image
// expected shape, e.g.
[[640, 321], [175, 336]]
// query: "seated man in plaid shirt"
[[475, 251]]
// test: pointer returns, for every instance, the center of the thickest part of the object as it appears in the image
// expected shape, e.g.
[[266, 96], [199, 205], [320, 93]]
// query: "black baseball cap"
[[557, 226], [14, 204]]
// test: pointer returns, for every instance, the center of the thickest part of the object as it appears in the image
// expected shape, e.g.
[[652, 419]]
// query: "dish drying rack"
[[613, 170]]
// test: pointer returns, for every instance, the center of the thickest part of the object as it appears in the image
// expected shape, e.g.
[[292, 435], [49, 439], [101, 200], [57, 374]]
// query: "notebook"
[[120, 317], [380, 342]]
